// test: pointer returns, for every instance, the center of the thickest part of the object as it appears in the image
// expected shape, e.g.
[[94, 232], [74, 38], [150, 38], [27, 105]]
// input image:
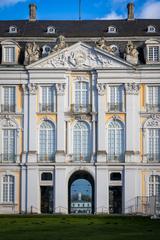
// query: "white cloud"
[[9, 2], [150, 10], [112, 15]]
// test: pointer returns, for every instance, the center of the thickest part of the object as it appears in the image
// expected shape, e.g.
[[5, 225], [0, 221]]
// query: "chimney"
[[32, 12], [130, 7]]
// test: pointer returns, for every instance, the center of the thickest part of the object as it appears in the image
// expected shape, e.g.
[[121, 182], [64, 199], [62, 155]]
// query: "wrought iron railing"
[[115, 157], [153, 157], [46, 108], [81, 108], [9, 158], [115, 107], [8, 108], [46, 157], [153, 107], [77, 157]]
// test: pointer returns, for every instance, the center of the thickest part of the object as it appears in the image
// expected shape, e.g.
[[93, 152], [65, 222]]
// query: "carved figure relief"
[[32, 53], [102, 44], [131, 53], [132, 88]]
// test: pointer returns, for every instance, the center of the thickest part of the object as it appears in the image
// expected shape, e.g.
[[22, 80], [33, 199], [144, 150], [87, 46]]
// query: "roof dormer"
[[12, 29]]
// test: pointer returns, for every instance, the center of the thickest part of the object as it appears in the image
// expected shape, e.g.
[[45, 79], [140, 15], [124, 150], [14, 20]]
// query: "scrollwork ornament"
[[60, 87], [101, 87], [132, 88]]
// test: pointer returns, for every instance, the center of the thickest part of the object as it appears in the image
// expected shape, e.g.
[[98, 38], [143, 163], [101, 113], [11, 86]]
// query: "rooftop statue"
[[32, 53], [131, 53], [101, 43], [60, 44]]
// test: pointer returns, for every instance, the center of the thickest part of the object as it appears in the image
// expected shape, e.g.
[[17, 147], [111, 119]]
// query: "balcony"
[[80, 157], [46, 108], [46, 157], [115, 158], [153, 107], [153, 158], [9, 158], [8, 108], [81, 108], [115, 107]]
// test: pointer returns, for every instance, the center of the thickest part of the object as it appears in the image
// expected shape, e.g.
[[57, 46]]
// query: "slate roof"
[[83, 28]]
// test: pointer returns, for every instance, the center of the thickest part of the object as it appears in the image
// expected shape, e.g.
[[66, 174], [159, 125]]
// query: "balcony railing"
[[81, 108], [9, 158], [153, 107], [115, 107], [46, 108], [81, 157], [46, 157], [153, 157], [8, 108], [115, 158]]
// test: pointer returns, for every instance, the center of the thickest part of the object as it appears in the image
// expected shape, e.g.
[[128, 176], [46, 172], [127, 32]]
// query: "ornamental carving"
[[32, 53], [8, 121], [101, 87], [60, 44], [153, 122], [131, 53], [30, 88], [102, 44], [81, 57], [60, 87], [132, 88]]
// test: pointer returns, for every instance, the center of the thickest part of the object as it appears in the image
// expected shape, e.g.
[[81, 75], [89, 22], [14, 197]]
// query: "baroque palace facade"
[[79, 115]]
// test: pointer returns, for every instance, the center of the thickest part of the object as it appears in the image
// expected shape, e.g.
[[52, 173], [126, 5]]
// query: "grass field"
[[78, 228]]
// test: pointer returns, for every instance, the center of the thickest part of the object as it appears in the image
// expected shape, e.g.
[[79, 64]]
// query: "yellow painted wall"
[[142, 96], [109, 116], [40, 117], [19, 94]]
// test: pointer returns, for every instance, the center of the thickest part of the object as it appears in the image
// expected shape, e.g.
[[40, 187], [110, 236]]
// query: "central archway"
[[81, 193]]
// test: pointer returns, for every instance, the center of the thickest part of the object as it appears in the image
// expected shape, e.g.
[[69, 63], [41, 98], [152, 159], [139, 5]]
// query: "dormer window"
[[51, 30], [152, 51], [10, 52], [151, 29], [12, 29], [112, 29]]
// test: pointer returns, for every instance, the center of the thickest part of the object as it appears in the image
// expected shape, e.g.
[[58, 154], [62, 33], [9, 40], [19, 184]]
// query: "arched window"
[[8, 189], [81, 143], [116, 143], [151, 29], [47, 141], [153, 144], [154, 186], [81, 96], [51, 30]]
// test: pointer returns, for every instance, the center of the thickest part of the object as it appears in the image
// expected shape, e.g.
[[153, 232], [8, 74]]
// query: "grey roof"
[[82, 28]]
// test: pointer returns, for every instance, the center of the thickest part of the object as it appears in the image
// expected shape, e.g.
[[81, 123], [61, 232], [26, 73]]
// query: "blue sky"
[[68, 9]]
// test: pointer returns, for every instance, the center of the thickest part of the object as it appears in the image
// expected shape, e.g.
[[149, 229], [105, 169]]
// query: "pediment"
[[80, 56]]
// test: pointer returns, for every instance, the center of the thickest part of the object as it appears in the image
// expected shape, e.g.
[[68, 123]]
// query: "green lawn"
[[78, 227]]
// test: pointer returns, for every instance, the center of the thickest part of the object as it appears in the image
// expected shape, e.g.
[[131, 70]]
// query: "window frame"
[[8, 189], [54, 94]]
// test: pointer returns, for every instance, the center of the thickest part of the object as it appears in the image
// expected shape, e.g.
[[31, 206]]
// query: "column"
[[60, 155], [101, 151], [132, 122]]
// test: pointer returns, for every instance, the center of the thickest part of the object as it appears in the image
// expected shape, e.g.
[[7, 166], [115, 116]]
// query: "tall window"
[[116, 144], [153, 98], [153, 54], [153, 144], [154, 186], [81, 143], [48, 99], [8, 99], [9, 55], [116, 98], [81, 96], [9, 145], [8, 189], [47, 142]]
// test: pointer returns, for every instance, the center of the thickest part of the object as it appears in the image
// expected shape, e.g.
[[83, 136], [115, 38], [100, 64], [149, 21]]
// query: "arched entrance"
[[81, 193]]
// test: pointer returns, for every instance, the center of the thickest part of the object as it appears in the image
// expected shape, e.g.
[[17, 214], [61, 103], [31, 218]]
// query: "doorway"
[[46, 199], [115, 199], [81, 193]]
